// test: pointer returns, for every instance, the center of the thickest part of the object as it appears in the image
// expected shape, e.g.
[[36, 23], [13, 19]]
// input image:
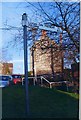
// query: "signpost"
[[24, 24]]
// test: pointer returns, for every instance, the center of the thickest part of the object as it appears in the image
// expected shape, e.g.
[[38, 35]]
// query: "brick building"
[[47, 56], [6, 68], [1, 68]]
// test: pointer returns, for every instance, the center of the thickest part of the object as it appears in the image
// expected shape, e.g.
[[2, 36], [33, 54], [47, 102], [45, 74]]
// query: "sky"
[[11, 14]]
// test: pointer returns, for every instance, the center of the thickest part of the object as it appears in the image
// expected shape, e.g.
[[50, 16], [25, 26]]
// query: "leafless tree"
[[62, 16], [66, 17]]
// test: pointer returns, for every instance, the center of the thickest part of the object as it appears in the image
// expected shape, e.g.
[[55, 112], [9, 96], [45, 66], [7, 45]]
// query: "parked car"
[[5, 80], [16, 78]]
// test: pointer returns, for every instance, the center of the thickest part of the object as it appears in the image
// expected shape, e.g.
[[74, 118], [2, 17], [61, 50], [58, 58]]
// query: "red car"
[[16, 78]]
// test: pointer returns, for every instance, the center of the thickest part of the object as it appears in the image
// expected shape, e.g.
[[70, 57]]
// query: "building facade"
[[6, 68], [46, 56], [1, 68]]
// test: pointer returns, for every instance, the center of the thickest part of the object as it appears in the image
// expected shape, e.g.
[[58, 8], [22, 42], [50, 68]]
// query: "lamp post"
[[24, 24]]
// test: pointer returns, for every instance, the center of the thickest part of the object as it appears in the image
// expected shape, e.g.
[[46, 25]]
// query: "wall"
[[7, 68], [49, 59]]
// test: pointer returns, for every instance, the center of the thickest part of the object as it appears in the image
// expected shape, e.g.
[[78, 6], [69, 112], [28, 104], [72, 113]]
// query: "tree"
[[66, 17], [7, 71], [4, 57]]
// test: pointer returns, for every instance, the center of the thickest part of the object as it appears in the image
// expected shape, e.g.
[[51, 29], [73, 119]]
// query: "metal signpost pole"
[[24, 24]]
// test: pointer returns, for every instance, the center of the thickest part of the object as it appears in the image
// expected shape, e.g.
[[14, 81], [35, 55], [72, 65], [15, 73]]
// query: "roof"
[[44, 40], [10, 64]]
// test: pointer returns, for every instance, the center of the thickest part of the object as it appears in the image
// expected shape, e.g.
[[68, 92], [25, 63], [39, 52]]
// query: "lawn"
[[44, 103]]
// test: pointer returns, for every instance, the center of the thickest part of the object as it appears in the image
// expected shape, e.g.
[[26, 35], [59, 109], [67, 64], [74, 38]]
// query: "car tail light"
[[14, 81]]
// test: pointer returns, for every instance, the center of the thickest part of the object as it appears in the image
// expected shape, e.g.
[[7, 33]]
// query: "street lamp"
[[24, 24]]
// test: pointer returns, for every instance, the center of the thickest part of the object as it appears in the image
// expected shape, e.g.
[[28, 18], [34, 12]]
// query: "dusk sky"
[[11, 13], [9, 16], [12, 16]]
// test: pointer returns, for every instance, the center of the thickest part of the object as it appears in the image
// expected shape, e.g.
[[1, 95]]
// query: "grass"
[[44, 103]]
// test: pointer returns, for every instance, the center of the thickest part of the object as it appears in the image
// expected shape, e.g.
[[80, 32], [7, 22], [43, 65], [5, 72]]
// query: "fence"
[[44, 79]]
